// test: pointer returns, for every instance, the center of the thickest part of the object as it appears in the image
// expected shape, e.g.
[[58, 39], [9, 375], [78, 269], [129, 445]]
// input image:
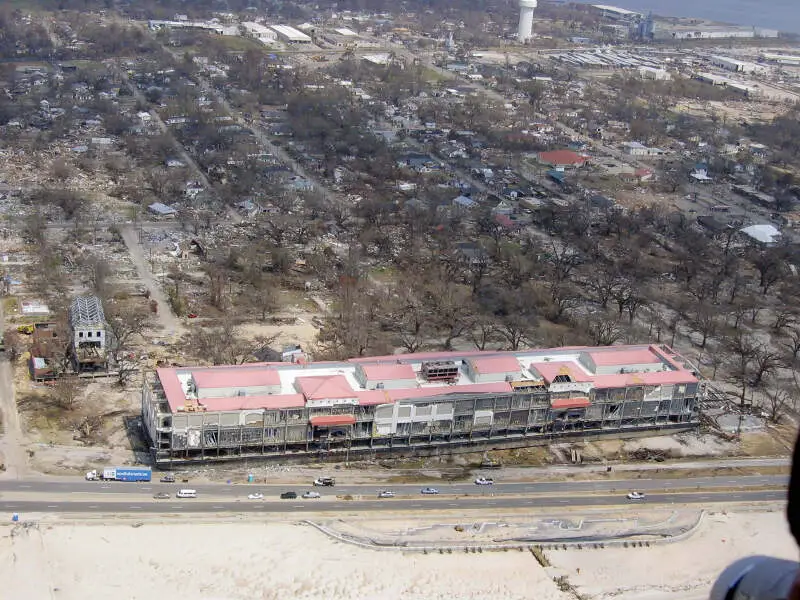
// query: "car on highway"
[[186, 494], [161, 496], [168, 478], [429, 491], [484, 481], [288, 495], [312, 495], [325, 481], [635, 496], [385, 494], [256, 496]]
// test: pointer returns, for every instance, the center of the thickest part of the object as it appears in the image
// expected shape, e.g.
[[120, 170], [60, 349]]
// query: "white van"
[[187, 494]]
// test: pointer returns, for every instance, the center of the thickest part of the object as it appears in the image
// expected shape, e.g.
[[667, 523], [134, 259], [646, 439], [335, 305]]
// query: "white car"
[[429, 491], [312, 495], [635, 496], [256, 496], [484, 481], [386, 494]]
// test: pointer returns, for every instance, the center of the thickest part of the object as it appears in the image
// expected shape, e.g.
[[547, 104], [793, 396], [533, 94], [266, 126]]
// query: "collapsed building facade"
[[415, 403]]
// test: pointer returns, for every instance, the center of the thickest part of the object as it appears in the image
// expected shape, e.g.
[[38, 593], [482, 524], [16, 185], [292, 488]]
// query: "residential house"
[[464, 203], [162, 210], [562, 159]]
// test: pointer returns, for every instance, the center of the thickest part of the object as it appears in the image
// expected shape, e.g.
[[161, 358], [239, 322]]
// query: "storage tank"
[[525, 31]]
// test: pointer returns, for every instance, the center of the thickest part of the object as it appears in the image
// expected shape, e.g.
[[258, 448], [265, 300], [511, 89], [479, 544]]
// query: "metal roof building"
[[86, 311], [291, 35]]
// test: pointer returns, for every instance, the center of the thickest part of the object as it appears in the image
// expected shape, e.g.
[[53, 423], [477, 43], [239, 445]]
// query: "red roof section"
[[324, 387], [562, 157], [657, 378], [570, 403], [324, 420], [173, 389], [425, 392], [269, 402], [389, 372], [373, 397], [634, 356], [549, 370], [495, 364], [241, 377]]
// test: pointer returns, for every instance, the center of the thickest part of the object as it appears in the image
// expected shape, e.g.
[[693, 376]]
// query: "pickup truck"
[[326, 481], [484, 481]]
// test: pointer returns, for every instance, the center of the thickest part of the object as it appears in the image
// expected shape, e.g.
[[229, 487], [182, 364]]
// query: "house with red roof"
[[562, 159]]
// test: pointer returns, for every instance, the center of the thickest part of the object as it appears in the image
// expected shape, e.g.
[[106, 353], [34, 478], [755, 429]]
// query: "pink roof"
[[618, 380], [570, 403], [332, 420], [384, 372], [173, 389], [495, 364], [562, 157], [614, 356], [373, 397], [242, 377], [424, 392], [322, 387], [419, 356], [549, 370], [269, 402]]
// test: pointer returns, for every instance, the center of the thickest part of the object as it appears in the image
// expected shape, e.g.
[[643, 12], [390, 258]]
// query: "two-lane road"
[[485, 504]]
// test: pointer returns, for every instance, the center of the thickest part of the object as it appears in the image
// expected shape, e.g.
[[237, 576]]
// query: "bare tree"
[[742, 350], [66, 393], [483, 332], [778, 400], [604, 331], [792, 342], [765, 361], [125, 323], [226, 344]]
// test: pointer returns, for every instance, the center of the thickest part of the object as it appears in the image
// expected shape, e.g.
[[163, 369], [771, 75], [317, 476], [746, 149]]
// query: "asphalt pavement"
[[489, 503], [77, 487]]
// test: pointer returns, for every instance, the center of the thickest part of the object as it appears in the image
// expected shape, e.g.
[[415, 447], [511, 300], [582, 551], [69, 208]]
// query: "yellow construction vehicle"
[[26, 329]]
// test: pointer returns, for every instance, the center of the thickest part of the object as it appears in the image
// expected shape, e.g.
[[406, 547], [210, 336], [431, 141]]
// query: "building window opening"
[[562, 379]]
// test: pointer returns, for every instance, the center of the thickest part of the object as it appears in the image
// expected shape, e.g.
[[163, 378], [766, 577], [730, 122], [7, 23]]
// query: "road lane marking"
[[299, 506], [93, 506], [136, 507], [25, 487], [217, 507], [52, 506]]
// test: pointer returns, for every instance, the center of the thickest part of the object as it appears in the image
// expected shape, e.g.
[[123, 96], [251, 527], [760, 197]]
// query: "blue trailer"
[[127, 473]]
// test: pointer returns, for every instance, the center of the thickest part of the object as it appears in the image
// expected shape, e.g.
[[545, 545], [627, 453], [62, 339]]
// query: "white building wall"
[[392, 384], [230, 392]]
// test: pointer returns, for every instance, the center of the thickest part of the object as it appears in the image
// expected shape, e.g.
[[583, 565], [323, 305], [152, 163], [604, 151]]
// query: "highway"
[[75, 487], [490, 503]]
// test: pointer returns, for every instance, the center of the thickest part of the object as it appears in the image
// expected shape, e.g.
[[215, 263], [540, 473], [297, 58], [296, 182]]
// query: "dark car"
[[288, 495]]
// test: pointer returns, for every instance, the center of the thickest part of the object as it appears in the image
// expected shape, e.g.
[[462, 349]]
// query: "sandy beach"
[[682, 570], [265, 561], [249, 561]]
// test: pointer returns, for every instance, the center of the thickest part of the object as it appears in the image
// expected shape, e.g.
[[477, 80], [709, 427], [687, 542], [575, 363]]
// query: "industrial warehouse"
[[415, 403]]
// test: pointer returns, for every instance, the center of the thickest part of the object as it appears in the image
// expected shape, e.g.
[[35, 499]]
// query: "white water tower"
[[525, 31]]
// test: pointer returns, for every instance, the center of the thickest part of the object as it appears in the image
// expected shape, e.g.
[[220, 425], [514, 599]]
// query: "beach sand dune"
[[254, 561]]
